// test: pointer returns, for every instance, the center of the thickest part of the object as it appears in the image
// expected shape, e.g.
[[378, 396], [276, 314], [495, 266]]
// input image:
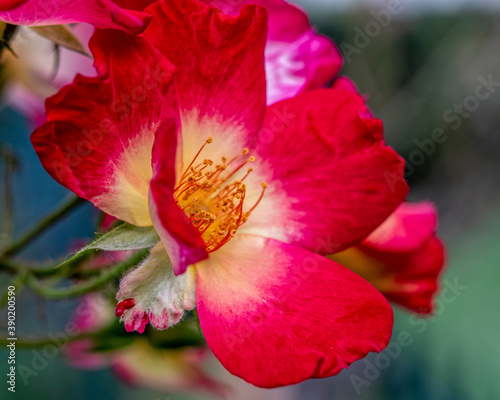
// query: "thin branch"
[[11, 165], [42, 226], [89, 286], [18, 282], [10, 267], [30, 343]]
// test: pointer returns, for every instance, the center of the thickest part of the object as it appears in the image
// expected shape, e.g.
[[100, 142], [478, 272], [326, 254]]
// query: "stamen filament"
[[214, 206]]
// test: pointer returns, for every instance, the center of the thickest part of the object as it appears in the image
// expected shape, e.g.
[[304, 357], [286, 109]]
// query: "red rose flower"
[[175, 133]]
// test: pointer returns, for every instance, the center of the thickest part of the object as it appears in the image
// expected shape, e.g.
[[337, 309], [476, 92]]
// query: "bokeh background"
[[420, 73]]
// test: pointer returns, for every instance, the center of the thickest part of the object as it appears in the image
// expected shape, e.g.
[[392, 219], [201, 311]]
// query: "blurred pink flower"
[[39, 72], [139, 363], [402, 258]]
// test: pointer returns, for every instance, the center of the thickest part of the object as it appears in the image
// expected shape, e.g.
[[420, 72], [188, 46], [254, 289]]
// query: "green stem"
[[18, 282], [42, 226], [10, 163], [30, 343], [89, 286], [10, 267], [48, 270]]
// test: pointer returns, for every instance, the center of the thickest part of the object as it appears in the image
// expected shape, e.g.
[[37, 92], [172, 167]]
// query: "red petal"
[[286, 22], [103, 14], [402, 258], [182, 241], [220, 86], [330, 176], [409, 279], [297, 58], [407, 229], [6, 5], [275, 315], [414, 275], [137, 5], [220, 64], [100, 148]]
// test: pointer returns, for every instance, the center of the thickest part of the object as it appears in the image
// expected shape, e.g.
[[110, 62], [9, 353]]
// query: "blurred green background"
[[420, 73]]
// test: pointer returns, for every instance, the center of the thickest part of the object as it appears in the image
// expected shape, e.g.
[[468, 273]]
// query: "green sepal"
[[121, 238]]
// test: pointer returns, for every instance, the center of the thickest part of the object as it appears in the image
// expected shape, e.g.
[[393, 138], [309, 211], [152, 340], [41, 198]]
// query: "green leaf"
[[120, 238], [63, 36]]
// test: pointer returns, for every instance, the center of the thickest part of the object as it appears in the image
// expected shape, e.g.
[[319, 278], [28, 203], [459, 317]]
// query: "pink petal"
[[297, 58], [166, 370], [152, 293], [407, 229], [92, 313], [275, 314], [331, 179], [103, 14], [101, 148]]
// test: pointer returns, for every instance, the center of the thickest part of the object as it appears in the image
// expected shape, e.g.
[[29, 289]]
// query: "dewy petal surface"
[[297, 57], [100, 148], [103, 14], [275, 314], [327, 172]]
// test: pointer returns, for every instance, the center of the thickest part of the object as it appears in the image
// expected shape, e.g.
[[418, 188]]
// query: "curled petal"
[[137, 5], [152, 293], [103, 14]]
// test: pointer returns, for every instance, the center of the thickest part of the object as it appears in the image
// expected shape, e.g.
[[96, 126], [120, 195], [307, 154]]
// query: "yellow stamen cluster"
[[212, 202]]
